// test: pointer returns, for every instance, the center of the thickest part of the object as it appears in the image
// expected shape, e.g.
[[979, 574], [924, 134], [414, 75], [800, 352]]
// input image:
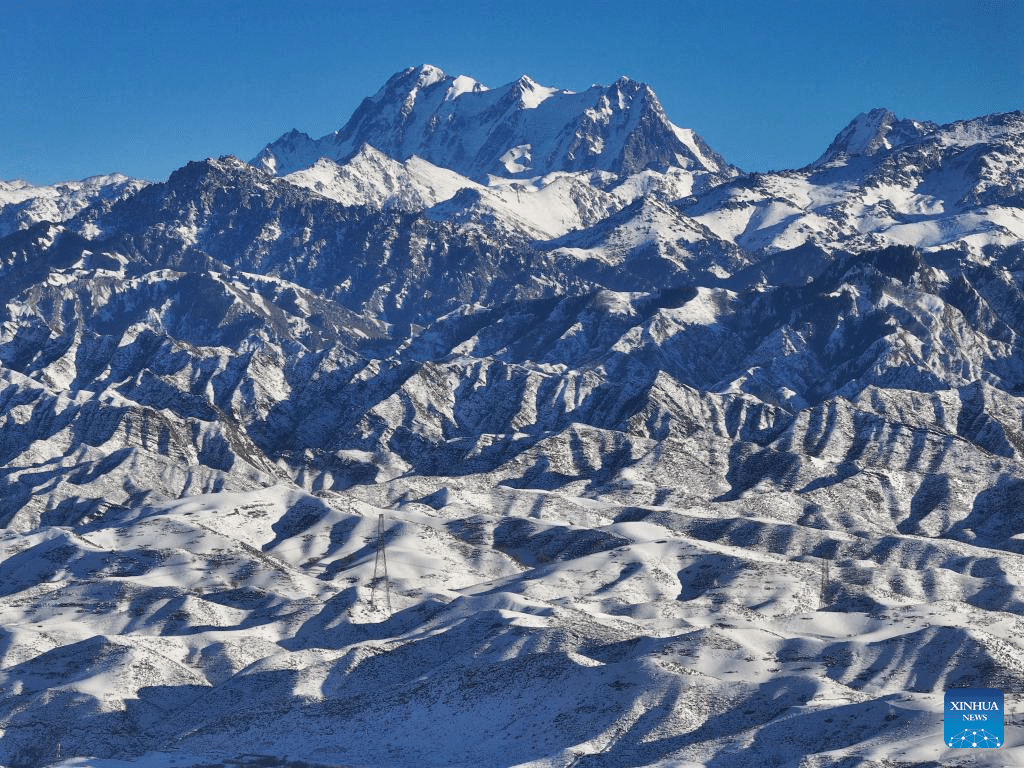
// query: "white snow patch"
[[533, 95], [686, 136], [463, 84], [517, 159], [702, 309]]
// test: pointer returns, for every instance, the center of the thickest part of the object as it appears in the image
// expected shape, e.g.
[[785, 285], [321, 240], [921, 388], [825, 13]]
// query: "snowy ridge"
[[23, 204], [372, 178], [932, 186]]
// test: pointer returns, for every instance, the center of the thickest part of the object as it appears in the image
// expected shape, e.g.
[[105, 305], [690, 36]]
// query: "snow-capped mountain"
[[873, 132], [677, 465], [884, 182], [519, 130]]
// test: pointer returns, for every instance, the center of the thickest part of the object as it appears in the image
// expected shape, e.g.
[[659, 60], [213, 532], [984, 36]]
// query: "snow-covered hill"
[[677, 465]]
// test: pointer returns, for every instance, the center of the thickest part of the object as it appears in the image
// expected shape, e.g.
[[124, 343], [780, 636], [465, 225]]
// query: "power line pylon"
[[380, 569]]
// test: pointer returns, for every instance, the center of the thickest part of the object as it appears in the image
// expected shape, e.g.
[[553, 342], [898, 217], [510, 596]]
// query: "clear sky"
[[143, 86]]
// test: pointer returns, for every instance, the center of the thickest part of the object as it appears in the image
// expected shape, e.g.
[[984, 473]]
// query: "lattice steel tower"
[[380, 569]]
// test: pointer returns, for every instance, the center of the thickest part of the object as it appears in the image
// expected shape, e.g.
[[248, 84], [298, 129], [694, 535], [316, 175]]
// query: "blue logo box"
[[973, 718]]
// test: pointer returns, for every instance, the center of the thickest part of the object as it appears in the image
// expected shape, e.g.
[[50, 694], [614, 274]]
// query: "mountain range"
[[676, 464]]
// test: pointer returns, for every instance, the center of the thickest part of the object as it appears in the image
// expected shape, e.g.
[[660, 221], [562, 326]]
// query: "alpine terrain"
[[515, 427]]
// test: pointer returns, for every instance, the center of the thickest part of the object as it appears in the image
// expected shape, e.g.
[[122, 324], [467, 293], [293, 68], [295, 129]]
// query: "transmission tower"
[[380, 569], [824, 581]]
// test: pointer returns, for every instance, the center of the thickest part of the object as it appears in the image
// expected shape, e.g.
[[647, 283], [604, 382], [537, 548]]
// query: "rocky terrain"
[[675, 465]]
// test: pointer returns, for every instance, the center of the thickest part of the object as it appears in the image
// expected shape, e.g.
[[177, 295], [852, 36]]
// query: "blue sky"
[[141, 87]]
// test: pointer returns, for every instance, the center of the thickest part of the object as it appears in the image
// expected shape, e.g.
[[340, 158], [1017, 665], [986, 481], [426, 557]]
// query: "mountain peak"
[[459, 124], [422, 76], [300, 149], [870, 133], [530, 93]]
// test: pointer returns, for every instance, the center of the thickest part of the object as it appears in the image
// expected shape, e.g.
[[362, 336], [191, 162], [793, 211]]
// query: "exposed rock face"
[[618, 405]]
